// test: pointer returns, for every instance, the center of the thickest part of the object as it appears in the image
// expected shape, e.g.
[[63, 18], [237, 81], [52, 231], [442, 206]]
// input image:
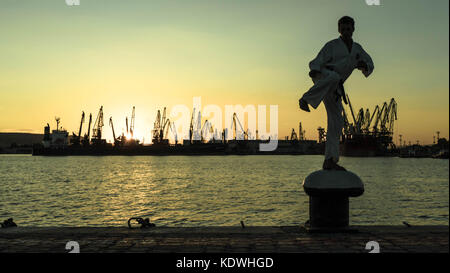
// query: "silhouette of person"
[[329, 70]]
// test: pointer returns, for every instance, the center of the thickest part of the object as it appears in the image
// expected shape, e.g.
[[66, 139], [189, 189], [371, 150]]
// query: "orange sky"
[[58, 60]]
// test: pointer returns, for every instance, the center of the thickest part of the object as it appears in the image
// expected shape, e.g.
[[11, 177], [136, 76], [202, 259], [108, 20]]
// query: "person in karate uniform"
[[329, 70]]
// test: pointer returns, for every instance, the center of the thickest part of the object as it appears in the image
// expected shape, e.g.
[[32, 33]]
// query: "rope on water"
[[145, 223], [8, 223]]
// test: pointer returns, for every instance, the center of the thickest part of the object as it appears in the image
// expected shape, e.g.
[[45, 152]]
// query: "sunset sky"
[[59, 60]]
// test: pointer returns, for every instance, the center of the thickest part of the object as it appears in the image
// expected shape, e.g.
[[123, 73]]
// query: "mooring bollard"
[[328, 199]]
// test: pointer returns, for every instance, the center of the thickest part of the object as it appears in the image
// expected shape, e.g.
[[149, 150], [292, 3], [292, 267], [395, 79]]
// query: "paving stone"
[[394, 239]]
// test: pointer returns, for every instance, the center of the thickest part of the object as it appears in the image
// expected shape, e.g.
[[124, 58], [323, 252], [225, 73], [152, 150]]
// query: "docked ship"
[[369, 134], [54, 147]]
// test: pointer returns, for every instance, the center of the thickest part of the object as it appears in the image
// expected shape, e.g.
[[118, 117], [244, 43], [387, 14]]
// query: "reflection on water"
[[211, 190]]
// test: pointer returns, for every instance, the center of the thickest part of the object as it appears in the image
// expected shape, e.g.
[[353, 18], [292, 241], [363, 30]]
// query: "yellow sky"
[[58, 60]]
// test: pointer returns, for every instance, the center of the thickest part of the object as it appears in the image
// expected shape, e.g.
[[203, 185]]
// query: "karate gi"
[[336, 64]]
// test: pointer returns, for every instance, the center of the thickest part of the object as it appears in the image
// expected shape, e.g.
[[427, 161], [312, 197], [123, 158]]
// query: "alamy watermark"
[[234, 117], [373, 246], [72, 2], [73, 246], [373, 2]]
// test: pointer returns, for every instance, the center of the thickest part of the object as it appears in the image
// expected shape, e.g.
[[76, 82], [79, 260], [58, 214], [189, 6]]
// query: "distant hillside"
[[6, 139]]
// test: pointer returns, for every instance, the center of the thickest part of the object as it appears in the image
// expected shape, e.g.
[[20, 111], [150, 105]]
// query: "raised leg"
[[324, 84]]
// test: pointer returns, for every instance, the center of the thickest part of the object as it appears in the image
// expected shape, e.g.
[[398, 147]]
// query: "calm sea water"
[[211, 190]]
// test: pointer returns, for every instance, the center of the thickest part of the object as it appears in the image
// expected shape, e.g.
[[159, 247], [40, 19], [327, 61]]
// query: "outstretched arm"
[[365, 64]]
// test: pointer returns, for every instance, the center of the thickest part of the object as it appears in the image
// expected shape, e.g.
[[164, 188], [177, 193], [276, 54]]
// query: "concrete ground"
[[257, 239]]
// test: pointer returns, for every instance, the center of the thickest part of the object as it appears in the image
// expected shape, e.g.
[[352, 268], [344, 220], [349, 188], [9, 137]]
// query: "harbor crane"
[[301, 132], [117, 141], [191, 126], [351, 109], [207, 127], [367, 120], [165, 129], [165, 126], [87, 139], [81, 126], [390, 115], [77, 138], [294, 135], [376, 112], [161, 127], [212, 131], [393, 116], [156, 128], [383, 124], [235, 118], [98, 125], [173, 128], [132, 123], [359, 120], [376, 128], [202, 131], [198, 127], [347, 126], [377, 120]]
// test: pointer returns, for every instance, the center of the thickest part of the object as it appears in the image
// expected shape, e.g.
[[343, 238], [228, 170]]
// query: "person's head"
[[346, 26]]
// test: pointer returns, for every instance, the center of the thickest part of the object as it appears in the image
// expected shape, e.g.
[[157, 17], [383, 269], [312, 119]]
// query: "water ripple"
[[205, 190]]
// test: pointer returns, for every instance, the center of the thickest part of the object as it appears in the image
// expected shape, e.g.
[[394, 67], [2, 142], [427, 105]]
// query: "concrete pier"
[[260, 239]]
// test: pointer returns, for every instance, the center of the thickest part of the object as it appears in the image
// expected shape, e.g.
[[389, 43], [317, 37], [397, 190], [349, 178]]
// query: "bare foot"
[[329, 164]]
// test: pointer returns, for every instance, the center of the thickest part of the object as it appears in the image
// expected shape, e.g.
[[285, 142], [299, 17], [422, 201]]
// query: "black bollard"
[[329, 193]]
